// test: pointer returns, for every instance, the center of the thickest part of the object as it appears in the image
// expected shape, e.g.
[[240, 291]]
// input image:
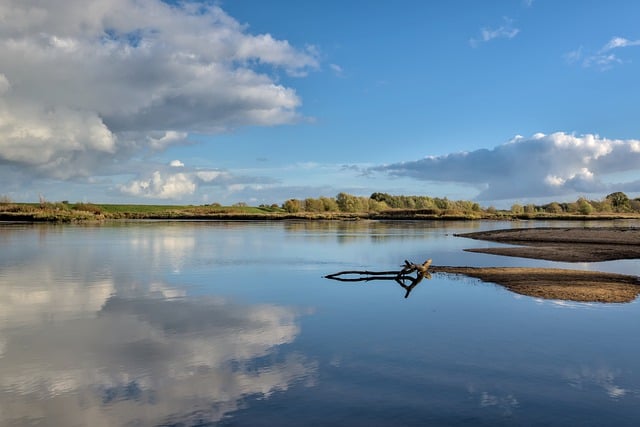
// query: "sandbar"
[[566, 244], [555, 283]]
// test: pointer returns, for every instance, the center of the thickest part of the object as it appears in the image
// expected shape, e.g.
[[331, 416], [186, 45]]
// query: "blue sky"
[[143, 101]]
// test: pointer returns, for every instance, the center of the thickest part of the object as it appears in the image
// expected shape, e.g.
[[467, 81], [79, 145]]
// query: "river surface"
[[233, 324]]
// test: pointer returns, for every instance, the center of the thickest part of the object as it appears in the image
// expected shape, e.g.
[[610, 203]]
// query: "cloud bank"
[[539, 166], [86, 83]]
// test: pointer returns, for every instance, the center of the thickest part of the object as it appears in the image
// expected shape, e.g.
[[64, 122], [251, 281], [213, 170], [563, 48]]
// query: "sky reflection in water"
[[233, 324]]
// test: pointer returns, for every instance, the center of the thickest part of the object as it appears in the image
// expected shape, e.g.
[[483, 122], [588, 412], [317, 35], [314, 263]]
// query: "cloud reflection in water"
[[77, 354]]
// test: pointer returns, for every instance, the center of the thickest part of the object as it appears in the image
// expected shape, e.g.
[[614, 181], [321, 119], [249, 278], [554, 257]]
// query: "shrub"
[[292, 206], [584, 207], [87, 207]]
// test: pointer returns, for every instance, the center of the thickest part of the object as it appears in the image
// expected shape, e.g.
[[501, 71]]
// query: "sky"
[[198, 102]]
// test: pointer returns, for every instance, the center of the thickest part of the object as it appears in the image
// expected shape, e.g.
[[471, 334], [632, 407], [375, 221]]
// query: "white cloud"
[[87, 82], [539, 166], [161, 186], [211, 175], [506, 31], [165, 183], [603, 59], [4, 84], [574, 56], [337, 70], [618, 42], [167, 138]]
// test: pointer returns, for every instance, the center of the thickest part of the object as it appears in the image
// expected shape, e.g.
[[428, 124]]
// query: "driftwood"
[[399, 276]]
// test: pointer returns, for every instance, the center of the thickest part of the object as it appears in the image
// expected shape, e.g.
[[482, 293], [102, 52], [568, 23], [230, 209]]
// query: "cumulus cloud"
[[159, 186], [539, 166], [164, 182], [85, 82], [505, 31]]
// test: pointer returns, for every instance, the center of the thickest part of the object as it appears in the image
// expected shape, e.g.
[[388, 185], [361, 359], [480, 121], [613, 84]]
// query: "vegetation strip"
[[380, 206]]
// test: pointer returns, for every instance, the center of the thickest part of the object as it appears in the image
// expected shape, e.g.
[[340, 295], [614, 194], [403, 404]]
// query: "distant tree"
[[313, 205], [329, 204], [584, 207], [292, 206], [380, 197], [443, 204], [376, 206], [601, 205], [517, 209], [553, 208], [619, 201], [347, 202]]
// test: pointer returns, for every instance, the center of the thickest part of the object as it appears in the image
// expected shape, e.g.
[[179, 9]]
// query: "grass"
[[82, 212]]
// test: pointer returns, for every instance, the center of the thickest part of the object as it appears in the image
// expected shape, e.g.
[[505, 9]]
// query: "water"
[[233, 324]]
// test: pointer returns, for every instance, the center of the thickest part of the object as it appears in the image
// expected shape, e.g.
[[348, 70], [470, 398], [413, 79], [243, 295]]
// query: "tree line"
[[379, 202], [617, 202]]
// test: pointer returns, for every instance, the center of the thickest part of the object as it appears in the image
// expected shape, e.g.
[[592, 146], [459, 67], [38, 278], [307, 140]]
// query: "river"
[[233, 324]]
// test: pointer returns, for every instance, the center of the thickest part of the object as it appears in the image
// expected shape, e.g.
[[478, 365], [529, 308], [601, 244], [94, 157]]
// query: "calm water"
[[233, 324]]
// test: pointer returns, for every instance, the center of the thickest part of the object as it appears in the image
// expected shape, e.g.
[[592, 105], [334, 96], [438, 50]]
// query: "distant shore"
[[86, 212]]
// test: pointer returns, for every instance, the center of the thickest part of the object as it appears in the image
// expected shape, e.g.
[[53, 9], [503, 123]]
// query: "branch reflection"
[[402, 277]]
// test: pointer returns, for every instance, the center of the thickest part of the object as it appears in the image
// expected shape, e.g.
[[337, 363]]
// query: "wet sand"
[[553, 283], [563, 244], [560, 244]]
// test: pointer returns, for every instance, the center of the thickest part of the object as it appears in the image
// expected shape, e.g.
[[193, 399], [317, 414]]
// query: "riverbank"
[[64, 212]]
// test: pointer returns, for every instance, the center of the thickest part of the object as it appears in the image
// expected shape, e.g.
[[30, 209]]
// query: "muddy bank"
[[563, 244], [552, 283]]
